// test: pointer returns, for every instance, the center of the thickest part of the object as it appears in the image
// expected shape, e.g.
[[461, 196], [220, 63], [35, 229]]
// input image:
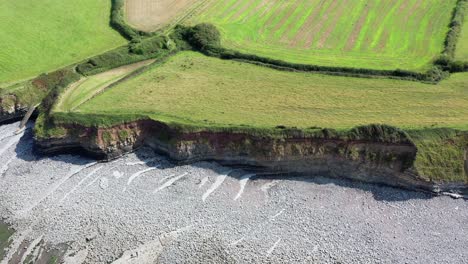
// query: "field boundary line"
[[125, 78]]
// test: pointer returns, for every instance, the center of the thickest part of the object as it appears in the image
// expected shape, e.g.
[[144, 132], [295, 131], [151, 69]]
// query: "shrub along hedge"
[[455, 29], [206, 39], [55, 83], [154, 47], [204, 36], [446, 61], [448, 64], [436, 74], [150, 45]]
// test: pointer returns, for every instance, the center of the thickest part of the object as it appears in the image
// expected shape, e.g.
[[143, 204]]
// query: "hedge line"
[[137, 50], [436, 74], [205, 38], [447, 59], [451, 65], [55, 83], [456, 24], [117, 21]]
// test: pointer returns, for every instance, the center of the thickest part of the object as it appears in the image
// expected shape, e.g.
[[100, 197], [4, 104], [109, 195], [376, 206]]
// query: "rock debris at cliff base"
[[142, 209]]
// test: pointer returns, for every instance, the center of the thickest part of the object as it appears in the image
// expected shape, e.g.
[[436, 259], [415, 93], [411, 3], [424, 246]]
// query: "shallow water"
[[5, 233]]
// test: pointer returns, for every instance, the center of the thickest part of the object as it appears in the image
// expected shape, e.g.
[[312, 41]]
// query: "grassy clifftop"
[[198, 89], [192, 92]]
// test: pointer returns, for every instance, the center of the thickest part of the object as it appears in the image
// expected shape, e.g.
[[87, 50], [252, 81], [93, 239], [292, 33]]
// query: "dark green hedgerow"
[[142, 45], [434, 75], [32, 92], [117, 21], [150, 45], [446, 60], [206, 39], [448, 64], [143, 49], [55, 83], [456, 24], [204, 36]]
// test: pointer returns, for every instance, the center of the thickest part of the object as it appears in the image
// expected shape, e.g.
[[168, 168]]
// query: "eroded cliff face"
[[11, 108], [368, 161]]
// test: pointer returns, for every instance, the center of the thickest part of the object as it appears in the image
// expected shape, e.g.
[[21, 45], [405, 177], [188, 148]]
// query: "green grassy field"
[[40, 36], [462, 46], [378, 34], [195, 89]]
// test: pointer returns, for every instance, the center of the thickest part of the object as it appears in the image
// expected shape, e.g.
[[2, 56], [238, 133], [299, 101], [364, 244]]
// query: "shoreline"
[[366, 159], [142, 203]]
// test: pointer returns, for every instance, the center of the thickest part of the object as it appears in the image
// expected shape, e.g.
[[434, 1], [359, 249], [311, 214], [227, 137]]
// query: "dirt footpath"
[[143, 209]]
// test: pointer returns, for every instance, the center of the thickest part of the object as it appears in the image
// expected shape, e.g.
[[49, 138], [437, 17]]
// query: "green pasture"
[[194, 89], [378, 34], [41, 36]]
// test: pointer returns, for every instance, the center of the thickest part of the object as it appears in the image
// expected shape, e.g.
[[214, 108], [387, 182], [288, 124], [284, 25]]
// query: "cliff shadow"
[[380, 192], [25, 150]]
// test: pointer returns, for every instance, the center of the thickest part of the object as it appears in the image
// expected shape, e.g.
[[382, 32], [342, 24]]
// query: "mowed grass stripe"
[[254, 7], [243, 9], [379, 34], [289, 13], [406, 11], [233, 10], [311, 25], [424, 27], [310, 8], [372, 9], [330, 27], [384, 21], [315, 34], [195, 89], [297, 18], [409, 36]]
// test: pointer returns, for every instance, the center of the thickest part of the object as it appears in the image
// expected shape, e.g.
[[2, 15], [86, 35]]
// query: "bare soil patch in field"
[[149, 15]]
